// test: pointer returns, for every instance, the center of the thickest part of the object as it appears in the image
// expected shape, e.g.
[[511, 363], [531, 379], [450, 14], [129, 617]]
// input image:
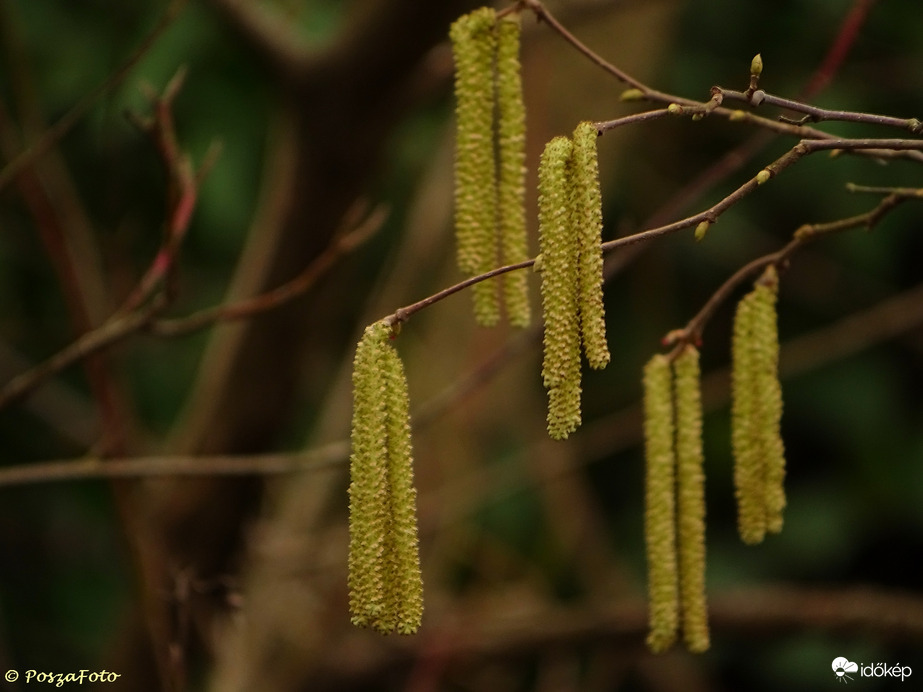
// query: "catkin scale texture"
[[660, 504], [385, 583], [690, 490], [756, 410], [587, 223], [474, 46], [561, 361], [511, 188], [769, 398]]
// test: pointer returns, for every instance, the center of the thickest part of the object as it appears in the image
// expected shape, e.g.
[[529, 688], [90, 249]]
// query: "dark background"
[[532, 550]]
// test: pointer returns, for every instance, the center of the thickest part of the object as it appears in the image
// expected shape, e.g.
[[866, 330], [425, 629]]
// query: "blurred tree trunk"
[[339, 108]]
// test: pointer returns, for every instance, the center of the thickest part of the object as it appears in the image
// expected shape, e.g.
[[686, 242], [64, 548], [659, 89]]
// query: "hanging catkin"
[[690, 489], [660, 504], [768, 391], [561, 363], [570, 223], [587, 225], [511, 147], [385, 584], [756, 410], [474, 46]]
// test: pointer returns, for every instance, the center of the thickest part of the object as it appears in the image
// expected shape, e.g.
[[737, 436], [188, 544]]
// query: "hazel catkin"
[[561, 361], [690, 489], [385, 584], [756, 410], [474, 48], [660, 504], [587, 226], [511, 185]]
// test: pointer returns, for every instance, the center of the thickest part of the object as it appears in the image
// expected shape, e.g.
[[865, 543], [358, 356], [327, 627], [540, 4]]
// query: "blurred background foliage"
[[508, 517]]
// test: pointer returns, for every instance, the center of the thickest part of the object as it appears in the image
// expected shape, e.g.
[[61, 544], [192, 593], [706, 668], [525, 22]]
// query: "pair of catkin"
[[571, 264], [385, 582], [674, 521], [490, 223], [756, 412]]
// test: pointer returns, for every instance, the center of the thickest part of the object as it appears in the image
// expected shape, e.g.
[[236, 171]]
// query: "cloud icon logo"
[[842, 666]]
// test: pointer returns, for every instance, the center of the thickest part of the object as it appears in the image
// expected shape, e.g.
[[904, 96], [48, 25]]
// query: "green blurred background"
[[509, 519]]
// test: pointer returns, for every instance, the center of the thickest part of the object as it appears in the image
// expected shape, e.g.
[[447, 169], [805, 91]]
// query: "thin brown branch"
[[681, 105], [343, 244], [493, 631], [164, 466], [607, 125], [803, 148], [814, 114], [545, 16], [131, 317], [124, 324], [692, 332], [182, 195], [884, 320], [88, 344]]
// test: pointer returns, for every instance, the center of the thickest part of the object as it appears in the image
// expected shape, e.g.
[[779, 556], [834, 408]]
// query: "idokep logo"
[[842, 667]]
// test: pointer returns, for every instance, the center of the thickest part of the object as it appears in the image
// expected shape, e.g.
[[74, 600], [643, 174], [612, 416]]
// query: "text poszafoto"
[[61, 679], [884, 670]]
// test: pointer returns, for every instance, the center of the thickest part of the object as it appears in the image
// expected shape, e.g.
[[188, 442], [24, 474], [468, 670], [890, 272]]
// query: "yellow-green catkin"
[[511, 190], [561, 362], [474, 47], [588, 221], [660, 504], [404, 581], [385, 584], [749, 472], [368, 489], [756, 411], [768, 391], [690, 484]]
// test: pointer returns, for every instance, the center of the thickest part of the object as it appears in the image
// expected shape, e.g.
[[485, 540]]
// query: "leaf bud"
[[631, 95], [701, 230]]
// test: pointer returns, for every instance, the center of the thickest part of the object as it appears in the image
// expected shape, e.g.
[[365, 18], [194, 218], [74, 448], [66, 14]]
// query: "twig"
[[124, 324], [680, 105], [343, 244], [131, 316], [692, 332], [162, 466], [182, 193], [92, 342], [607, 125], [803, 148], [484, 631], [884, 320], [814, 114]]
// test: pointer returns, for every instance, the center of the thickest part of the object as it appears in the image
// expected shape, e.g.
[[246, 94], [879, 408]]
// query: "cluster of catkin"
[[674, 521], [490, 224], [674, 497], [385, 583], [571, 264], [756, 412]]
